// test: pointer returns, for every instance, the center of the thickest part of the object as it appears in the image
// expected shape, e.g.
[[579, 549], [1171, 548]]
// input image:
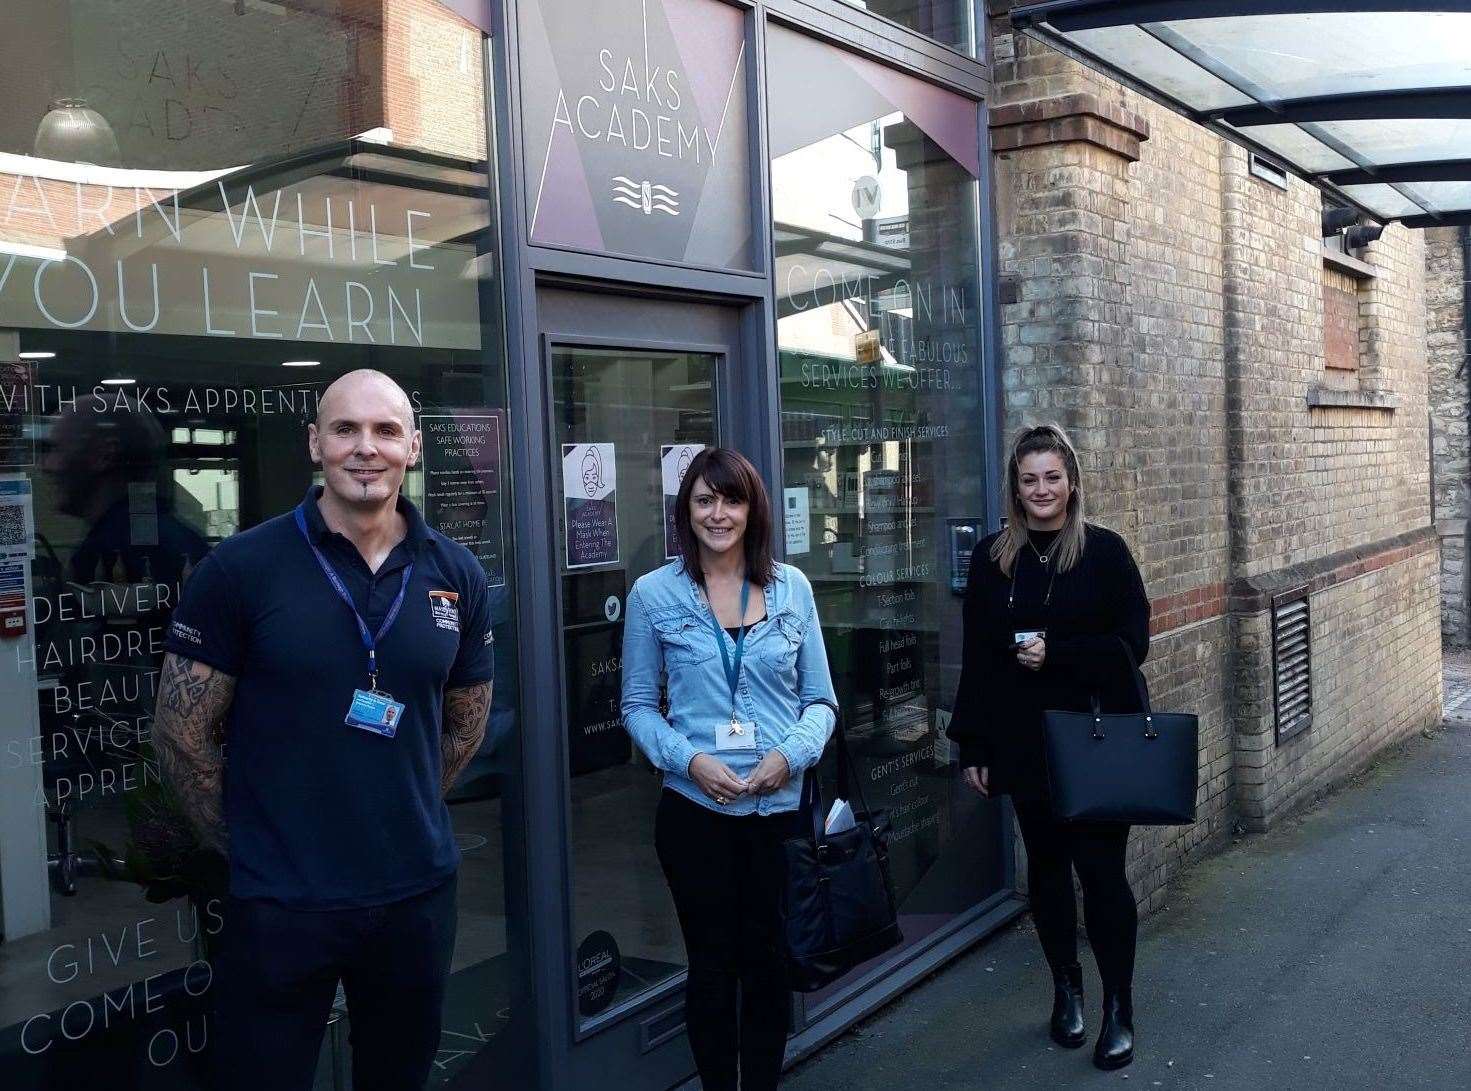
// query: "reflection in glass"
[[946, 21], [149, 298], [622, 419], [879, 311]]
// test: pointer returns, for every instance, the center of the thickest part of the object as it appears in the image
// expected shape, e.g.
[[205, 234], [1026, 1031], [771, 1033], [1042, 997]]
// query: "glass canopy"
[[1370, 99]]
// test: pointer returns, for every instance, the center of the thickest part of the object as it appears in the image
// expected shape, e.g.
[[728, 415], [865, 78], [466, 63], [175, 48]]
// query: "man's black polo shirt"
[[322, 815]]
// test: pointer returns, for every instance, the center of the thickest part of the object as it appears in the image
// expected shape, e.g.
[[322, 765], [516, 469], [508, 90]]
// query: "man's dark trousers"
[[277, 976]]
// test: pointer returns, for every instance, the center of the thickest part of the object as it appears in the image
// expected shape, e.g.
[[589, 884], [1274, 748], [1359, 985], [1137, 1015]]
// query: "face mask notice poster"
[[589, 491], [674, 462]]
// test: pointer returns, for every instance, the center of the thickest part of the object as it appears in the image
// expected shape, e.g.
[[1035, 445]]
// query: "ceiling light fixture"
[[301, 363], [37, 355], [118, 382]]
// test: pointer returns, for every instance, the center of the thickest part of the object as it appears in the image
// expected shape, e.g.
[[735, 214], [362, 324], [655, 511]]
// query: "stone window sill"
[[1320, 397]]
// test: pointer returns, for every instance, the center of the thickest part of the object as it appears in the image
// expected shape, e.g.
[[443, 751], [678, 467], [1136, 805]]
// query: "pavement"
[[1332, 952]]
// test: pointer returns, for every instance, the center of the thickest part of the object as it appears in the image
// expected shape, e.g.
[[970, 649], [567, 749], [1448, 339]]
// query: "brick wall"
[[1175, 375], [1168, 308], [1446, 343], [1369, 462], [1188, 670], [1174, 435], [1274, 350], [1375, 680], [434, 79]]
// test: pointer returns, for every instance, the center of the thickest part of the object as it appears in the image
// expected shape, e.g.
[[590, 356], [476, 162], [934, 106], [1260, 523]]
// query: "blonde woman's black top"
[[999, 704]]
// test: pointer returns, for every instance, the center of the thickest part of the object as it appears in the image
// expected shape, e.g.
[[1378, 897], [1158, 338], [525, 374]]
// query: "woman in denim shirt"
[[732, 755]]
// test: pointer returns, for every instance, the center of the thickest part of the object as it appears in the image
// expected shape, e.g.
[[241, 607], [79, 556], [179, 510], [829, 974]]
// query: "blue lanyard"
[[370, 641], [732, 672]]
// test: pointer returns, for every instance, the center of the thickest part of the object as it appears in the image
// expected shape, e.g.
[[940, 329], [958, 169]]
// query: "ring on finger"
[[721, 800]]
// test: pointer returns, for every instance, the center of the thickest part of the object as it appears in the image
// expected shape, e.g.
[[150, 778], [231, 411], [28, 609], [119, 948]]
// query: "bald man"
[[341, 655]]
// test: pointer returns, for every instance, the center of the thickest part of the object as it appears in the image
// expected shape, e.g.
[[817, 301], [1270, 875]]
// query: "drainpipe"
[[1466, 374]]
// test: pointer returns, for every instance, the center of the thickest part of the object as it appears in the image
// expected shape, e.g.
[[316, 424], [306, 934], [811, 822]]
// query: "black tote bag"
[[1135, 767], [837, 904]]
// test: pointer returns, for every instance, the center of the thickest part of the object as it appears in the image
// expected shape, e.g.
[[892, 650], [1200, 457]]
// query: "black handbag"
[[837, 903], [1135, 767]]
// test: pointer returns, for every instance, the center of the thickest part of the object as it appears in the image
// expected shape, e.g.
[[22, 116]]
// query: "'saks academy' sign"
[[635, 126]]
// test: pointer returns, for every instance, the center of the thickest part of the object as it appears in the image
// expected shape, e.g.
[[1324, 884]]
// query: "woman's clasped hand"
[[978, 780], [1032, 654], [717, 781], [770, 775]]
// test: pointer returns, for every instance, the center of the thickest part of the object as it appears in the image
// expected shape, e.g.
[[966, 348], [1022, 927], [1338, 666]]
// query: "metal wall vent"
[[1292, 662]]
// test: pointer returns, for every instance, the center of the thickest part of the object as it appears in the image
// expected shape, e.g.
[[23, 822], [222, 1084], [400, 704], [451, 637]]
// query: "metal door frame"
[[644, 1029]]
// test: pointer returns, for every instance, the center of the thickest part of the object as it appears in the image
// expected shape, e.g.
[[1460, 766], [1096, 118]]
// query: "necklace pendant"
[[1044, 558]]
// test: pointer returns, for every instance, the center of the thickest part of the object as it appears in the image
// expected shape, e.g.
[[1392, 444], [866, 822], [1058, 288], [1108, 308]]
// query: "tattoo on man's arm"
[[192, 701], [466, 709]]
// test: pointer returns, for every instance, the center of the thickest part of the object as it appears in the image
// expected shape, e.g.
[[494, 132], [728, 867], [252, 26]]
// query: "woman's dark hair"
[[730, 474]]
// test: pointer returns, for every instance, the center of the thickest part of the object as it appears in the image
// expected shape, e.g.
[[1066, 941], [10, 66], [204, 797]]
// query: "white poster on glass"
[[674, 461], [796, 510], [589, 492]]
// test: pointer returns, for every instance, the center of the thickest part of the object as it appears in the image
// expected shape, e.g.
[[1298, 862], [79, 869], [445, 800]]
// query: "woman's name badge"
[[735, 735], [375, 712]]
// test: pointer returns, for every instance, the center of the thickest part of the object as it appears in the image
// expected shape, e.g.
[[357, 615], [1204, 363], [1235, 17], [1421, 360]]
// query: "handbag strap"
[[810, 804], [1138, 678], [849, 784]]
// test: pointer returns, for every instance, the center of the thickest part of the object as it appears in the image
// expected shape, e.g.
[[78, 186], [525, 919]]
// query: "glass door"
[[627, 420], [628, 411]]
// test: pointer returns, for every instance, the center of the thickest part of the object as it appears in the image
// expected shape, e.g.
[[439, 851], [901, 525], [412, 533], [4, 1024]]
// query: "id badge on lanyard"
[[370, 709], [375, 712], [736, 734]]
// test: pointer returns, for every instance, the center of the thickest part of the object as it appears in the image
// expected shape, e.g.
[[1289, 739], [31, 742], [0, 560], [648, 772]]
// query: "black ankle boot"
[[1115, 1046], [1067, 1025]]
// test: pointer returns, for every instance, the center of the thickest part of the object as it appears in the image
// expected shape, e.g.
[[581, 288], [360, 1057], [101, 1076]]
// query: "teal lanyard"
[[732, 670]]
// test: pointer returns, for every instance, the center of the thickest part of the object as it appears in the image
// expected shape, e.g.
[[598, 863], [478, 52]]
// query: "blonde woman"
[[1048, 601]]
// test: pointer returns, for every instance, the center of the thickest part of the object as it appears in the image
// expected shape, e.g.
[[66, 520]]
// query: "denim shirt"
[[785, 686]]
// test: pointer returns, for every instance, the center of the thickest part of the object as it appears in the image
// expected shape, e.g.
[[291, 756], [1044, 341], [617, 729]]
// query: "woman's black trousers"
[[725, 874], [1096, 851]]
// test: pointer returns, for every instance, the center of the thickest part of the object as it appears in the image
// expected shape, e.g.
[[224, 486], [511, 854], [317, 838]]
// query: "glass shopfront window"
[[208, 212], [949, 22], [874, 185]]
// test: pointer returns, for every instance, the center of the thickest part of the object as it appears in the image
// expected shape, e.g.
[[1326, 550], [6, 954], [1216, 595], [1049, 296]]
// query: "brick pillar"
[[1062, 189]]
